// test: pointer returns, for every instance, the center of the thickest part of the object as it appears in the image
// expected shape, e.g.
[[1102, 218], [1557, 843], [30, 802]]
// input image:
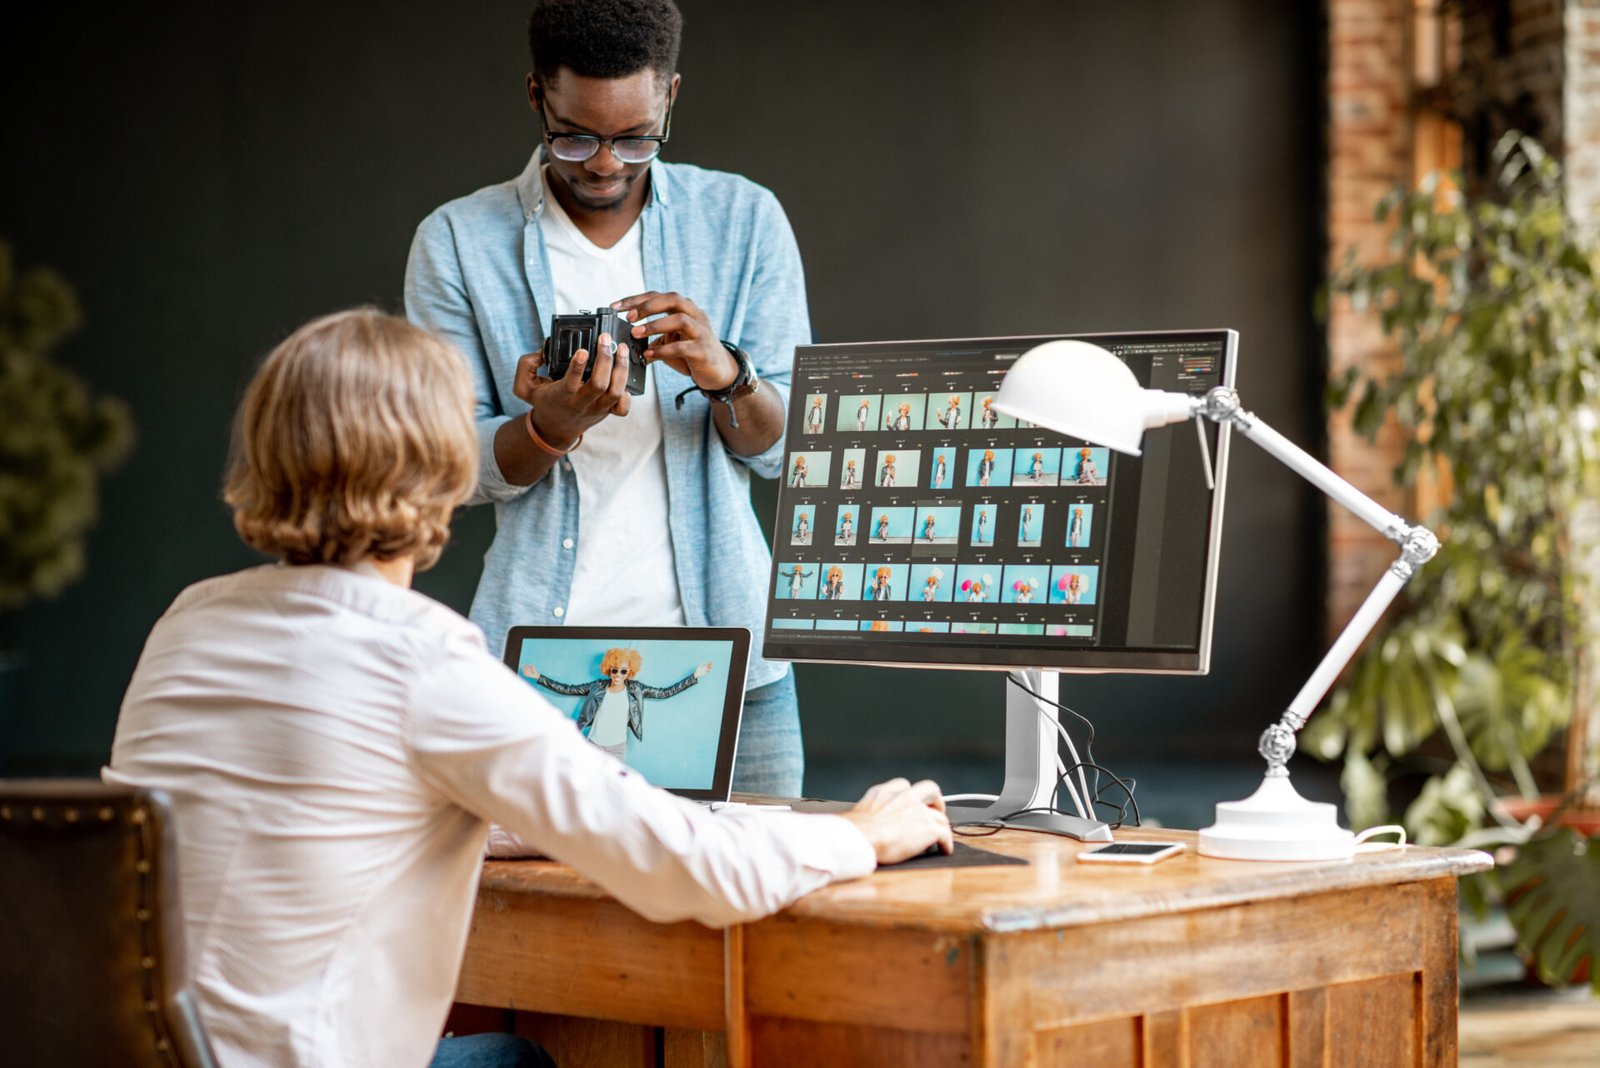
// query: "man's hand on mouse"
[[902, 819]]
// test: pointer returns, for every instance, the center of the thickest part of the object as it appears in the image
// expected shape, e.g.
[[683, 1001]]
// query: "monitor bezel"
[[982, 657]]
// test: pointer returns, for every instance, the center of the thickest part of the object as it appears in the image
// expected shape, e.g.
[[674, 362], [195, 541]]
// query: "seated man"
[[335, 744]]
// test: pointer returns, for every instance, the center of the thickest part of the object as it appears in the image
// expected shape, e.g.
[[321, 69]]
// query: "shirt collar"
[[530, 186]]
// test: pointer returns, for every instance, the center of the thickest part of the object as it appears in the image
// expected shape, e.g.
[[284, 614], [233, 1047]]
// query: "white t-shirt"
[[334, 747], [625, 573], [610, 726]]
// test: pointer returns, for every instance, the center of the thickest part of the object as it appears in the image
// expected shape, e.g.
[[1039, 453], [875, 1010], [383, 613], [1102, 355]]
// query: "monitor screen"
[[917, 525]]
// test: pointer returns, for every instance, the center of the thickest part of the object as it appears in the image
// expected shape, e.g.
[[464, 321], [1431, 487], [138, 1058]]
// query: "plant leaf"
[[1553, 903]]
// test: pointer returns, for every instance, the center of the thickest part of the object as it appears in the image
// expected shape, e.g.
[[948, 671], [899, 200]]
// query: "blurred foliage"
[[1553, 904], [56, 439], [1495, 307]]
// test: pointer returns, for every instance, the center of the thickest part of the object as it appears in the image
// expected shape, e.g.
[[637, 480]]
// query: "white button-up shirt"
[[335, 746]]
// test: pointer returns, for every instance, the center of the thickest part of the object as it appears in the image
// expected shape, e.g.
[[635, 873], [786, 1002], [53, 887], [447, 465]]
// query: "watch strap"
[[744, 383]]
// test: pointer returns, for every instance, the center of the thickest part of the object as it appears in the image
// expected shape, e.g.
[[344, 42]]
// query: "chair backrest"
[[91, 936]]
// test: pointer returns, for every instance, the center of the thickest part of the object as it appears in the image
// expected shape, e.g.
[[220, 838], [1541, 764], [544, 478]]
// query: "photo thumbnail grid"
[[928, 511]]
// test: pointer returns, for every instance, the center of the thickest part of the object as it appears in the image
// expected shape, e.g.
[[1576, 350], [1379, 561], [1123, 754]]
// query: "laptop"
[[665, 700]]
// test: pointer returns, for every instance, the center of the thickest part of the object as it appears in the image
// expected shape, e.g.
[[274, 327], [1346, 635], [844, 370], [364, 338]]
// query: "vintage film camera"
[[569, 333]]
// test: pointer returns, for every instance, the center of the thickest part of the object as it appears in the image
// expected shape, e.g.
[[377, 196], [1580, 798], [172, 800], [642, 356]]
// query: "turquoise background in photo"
[[1091, 583], [679, 749], [897, 581], [1015, 573], [849, 416], [808, 582], [987, 574], [900, 522], [859, 457], [1086, 532], [1036, 514], [1072, 462], [1000, 476], [1002, 422], [939, 417], [817, 466], [916, 402], [946, 521], [919, 581], [849, 578], [907, 464], [1049, 460], [982, 533]]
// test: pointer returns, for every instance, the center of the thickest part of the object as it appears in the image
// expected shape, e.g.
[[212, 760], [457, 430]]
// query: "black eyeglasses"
[[618, 671], [580, 148]]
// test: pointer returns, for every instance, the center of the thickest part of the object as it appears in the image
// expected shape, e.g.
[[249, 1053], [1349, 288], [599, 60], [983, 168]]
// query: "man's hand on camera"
[[902, 820], [566, 407], [682, 338]]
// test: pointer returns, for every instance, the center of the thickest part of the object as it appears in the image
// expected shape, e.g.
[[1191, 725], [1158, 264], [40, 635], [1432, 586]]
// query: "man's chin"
[[610, 200]]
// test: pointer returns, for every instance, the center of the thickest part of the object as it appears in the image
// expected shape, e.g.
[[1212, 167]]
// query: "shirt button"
[[567, 544], [559, 611], [567, 464]]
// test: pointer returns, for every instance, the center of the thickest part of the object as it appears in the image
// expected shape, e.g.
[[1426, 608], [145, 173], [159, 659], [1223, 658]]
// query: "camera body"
[[569, 333]]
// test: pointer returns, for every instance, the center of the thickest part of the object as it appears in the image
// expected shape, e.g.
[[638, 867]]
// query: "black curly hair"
[[604, 38]]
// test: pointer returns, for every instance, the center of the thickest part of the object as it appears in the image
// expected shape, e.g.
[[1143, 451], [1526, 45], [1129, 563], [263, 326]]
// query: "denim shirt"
[[478, 275]]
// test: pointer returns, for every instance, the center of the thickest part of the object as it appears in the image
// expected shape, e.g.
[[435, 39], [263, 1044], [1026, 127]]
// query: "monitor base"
[[1084, 830]]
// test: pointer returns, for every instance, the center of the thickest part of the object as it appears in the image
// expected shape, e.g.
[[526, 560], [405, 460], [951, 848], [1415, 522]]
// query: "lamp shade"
[[1083, 391]]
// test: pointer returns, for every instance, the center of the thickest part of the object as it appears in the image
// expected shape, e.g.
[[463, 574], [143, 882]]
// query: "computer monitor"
[[917, 526]]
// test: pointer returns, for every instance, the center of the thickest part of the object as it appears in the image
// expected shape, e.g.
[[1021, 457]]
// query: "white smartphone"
[[1132, 852]]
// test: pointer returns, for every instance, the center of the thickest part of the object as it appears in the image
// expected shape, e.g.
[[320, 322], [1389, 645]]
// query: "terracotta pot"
[[1586, 821]]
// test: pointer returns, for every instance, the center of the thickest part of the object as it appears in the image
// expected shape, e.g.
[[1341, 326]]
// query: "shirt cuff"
[[492, 485], [854, 856]]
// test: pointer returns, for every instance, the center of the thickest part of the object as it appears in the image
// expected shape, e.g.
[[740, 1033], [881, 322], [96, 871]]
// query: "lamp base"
[[1276, 823]]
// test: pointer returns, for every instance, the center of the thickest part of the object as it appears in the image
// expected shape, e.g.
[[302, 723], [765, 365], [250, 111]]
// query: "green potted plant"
[[56, 440], [1495, 305]]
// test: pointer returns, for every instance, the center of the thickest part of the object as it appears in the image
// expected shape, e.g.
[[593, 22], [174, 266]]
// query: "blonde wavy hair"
[[354, 441]]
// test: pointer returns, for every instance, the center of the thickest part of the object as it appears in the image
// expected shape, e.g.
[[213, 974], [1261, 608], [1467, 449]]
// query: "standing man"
[[616, 509]]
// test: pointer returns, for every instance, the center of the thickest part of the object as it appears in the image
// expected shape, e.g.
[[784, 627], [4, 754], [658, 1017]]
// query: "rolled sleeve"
[[436, 298]]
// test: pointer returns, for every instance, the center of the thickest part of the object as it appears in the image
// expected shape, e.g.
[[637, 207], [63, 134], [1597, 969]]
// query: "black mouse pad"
[[965, 856]]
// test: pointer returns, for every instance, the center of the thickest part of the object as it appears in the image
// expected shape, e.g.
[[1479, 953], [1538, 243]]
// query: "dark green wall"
[[210, 175]]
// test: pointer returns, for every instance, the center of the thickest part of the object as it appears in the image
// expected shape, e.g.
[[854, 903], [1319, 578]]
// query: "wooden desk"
[[1192, 961]]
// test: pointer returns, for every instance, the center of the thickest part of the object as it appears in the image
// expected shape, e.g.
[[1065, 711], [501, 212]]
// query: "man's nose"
[[604, 162]]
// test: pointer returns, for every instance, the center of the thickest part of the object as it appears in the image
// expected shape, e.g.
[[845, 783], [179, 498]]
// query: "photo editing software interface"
[[917, 524]]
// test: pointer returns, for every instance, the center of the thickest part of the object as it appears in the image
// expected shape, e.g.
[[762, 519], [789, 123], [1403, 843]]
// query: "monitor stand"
[[1032, 743]]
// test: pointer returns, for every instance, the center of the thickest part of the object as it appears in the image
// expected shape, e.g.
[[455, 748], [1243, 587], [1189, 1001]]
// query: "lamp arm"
[[1417, 545]]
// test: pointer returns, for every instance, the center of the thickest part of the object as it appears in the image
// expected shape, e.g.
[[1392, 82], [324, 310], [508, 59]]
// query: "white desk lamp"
[[1083, 391]]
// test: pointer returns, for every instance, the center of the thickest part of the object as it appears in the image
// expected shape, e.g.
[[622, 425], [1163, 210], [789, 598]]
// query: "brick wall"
[[1581, 109], [1370, 141]]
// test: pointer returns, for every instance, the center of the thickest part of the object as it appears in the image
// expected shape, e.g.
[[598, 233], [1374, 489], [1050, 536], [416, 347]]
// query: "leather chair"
[[91, 936]]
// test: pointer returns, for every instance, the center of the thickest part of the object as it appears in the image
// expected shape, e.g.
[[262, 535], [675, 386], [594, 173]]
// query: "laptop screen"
[[664, 700]]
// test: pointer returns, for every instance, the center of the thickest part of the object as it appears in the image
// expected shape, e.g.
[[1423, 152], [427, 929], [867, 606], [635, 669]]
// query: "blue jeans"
[[490, 1050], [770, 759]]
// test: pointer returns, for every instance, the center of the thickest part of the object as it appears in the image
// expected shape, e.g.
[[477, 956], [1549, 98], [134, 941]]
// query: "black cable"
[[1088, 744], [995, 823], [1126, 785]]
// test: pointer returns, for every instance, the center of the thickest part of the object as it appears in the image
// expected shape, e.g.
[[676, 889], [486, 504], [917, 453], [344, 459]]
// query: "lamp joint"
[[1221, 405], [1277, 745]]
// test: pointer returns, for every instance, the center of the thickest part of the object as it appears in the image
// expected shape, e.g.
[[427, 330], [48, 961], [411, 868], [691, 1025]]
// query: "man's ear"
[[535, 94], [672, 89]]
